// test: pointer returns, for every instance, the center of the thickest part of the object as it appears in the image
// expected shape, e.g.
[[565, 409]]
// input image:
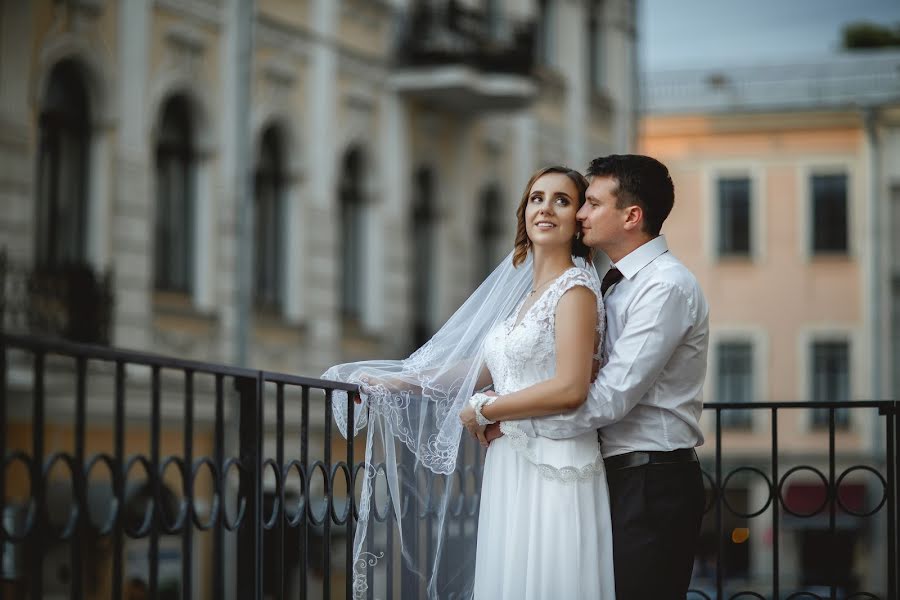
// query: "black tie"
[[612, 277]]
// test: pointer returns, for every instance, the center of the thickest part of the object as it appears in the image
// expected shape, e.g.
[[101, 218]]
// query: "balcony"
[[69, 301], [464, 60]]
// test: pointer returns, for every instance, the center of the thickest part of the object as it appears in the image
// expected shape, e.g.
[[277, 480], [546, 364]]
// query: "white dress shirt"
[[648, 395]]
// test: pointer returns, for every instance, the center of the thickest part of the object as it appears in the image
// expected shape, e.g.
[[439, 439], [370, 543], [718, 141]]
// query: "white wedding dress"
[[543, 526]]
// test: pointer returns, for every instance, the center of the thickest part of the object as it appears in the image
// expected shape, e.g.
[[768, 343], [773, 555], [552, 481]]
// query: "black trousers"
[[656, 514]]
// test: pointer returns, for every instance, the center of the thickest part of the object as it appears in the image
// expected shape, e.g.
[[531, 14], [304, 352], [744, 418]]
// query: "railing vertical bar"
[[720, 525], [775, 506], [155, 400], [329, 499], [351, 496], [258, 483], [389, 546], [187, 542], [37, 480], [832, 504], [304, 461], [119, 480], [78, 478], [370, 545], [220, 485], [3, 401], [279, 458], [249, 575], [891, 442]]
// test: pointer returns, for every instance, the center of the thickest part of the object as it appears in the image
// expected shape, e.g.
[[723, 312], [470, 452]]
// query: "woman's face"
[[550, 210]]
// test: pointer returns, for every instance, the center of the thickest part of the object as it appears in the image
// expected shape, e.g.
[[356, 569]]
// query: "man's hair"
[[642, 181]]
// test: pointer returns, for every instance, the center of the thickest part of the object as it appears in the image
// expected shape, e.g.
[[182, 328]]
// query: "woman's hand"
[[467, 418]]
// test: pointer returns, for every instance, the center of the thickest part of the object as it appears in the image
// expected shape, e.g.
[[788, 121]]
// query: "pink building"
[[787, 186]]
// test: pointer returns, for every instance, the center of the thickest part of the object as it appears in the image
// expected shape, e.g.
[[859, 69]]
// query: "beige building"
[[788, 211], [386, 143]]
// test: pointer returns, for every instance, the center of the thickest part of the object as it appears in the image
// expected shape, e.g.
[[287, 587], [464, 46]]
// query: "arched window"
[[268, 219], [491, 246], [352, 206], [424, 219], [63, 162], [175, 190]]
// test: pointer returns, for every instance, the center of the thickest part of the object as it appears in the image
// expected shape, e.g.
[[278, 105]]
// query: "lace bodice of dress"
[[521, 354]]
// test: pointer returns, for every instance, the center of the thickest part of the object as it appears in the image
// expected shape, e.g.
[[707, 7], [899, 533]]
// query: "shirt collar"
[[642, 256]]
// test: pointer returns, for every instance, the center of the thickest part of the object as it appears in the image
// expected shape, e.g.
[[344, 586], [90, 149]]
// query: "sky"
[[700, 33]]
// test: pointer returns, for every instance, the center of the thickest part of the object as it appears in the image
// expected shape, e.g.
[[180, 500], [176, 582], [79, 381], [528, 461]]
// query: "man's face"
[[602, 224]]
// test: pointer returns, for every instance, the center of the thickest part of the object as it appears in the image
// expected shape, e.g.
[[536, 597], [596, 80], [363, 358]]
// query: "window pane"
[[268, 205], [829, 207], [422, 236], [830, 380], [734, 380], [734, 217], [175, 184], [62, 167], [595, 45]]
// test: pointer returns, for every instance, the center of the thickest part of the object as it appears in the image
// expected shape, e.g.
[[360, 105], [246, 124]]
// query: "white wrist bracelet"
[[479, 401]]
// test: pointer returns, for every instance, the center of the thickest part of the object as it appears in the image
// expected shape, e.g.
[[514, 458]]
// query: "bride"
[[543, 526]]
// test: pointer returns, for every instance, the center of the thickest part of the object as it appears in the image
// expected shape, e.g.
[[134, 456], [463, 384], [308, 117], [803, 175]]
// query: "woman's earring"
[[577, 235]]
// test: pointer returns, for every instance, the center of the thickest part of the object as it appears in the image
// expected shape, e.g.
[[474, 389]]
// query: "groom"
[[646, 400]]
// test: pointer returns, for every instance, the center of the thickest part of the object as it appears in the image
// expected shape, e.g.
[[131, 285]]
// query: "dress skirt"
[[541, 534]]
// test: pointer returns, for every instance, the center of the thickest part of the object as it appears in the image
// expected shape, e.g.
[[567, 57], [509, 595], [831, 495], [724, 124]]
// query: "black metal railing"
[[812, 462], [69, 300], [223, 482], [448, 33]]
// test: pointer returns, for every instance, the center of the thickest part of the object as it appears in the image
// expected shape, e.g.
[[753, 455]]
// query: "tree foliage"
[[864, 34]]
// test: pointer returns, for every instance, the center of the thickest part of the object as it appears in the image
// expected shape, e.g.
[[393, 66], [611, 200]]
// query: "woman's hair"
[[523, 243]]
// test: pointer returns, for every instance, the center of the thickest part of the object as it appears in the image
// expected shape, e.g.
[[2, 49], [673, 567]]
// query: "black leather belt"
[[653, 457]]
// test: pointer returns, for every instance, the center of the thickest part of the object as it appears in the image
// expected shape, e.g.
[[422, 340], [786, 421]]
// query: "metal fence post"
[[249, 550]]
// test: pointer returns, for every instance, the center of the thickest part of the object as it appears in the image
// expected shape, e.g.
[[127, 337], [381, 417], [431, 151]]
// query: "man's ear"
[[634, 217]]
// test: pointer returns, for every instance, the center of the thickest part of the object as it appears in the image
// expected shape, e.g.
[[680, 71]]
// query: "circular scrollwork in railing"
[[114, 507], [867, 469], [753, 514], [31, 513], [135, 525], [713, 492], [216, 503], [746, 594], [698, 593], [295, 466], [269, 522], [801, 595], [825, 487], [381, 517], [341, 519], [240, 501], [326, 486], [68, 528], [367, 478], [176, 523]]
